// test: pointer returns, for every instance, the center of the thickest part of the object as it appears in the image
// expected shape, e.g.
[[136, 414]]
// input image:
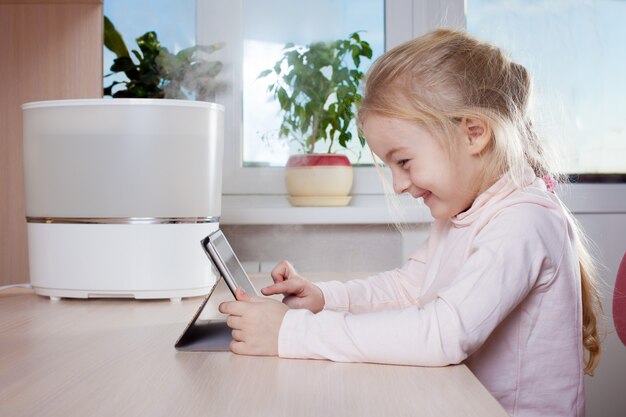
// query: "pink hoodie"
[[496, 287]]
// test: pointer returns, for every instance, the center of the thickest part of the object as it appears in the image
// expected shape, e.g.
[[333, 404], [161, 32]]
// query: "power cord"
[[6, 287]]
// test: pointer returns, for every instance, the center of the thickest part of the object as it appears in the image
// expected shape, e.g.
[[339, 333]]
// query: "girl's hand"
[[255, 324], [299, 292]]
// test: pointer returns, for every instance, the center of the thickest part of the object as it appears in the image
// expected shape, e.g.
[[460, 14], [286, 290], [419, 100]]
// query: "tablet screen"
[[230, 261]]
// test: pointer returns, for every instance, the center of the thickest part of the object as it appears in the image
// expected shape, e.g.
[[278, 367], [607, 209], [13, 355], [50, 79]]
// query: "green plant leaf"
[[283, 98], [185, 55], [366, 50], [207, 49], [122, 64], [264, 73], [362, 139], [137, 55], [113, 40], [277, 66], [292, 57], [108, 91]]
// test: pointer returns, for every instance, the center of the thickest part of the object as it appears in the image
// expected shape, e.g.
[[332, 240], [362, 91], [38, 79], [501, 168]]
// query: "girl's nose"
[[401, 183]]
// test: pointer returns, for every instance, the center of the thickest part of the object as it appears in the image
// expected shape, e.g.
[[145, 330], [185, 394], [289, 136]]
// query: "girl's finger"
[[238, 347], [234, 322], [238, 335], [278, 288], [241, 295], [284, 287], [233, 308], [282, 271]]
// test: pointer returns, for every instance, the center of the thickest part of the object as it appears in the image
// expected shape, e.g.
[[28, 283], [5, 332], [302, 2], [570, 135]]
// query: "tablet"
[[221, 253]]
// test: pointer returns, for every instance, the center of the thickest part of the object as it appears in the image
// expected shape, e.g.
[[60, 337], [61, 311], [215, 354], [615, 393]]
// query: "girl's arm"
[[398, 288], [507, 257], [388, 290], [395, 289]]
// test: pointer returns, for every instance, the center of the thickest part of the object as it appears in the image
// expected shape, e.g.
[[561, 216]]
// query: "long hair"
[[446, 75]]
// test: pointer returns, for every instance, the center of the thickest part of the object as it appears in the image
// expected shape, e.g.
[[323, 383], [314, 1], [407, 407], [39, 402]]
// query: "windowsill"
[[275, 209], [372, 209]]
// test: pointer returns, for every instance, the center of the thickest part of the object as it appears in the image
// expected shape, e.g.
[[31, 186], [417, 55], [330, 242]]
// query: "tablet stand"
[[205, 335]]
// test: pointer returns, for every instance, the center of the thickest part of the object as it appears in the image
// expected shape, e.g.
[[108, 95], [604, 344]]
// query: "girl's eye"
[[401, 163]]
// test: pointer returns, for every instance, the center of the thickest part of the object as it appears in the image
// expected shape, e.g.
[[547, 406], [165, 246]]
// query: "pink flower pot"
[[319, 180]]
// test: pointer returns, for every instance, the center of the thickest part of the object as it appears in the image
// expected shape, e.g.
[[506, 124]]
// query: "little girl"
[[503, 284]]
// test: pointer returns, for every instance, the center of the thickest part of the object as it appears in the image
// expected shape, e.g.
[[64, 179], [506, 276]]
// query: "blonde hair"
[[441, 78]]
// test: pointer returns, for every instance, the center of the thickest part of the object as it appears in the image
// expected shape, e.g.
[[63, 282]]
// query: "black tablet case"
[[205, 335]]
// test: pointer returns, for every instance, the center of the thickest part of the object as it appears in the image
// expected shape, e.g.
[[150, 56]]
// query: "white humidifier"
[[119, 194]]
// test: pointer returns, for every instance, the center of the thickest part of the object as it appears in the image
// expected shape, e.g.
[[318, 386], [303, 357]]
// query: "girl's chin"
[[439, 211], [438, 216]]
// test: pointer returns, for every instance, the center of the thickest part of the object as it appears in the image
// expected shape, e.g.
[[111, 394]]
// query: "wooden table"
[[116, 358]]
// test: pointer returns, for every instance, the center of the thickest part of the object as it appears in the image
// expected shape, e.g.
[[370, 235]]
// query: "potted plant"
[[317, 87], [159, 73]]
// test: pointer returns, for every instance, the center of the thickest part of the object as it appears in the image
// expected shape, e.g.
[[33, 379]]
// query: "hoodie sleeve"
[[505, 259]]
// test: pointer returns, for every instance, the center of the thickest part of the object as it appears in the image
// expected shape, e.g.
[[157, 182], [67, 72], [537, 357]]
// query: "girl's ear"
[[476, 134]]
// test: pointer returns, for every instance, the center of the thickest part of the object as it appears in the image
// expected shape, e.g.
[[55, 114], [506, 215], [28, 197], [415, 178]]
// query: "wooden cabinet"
[[48, 50]]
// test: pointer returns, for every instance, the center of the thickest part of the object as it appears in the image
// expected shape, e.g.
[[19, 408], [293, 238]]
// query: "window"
[[226, 21], [581, 87], [266, 31], [575, 52]]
